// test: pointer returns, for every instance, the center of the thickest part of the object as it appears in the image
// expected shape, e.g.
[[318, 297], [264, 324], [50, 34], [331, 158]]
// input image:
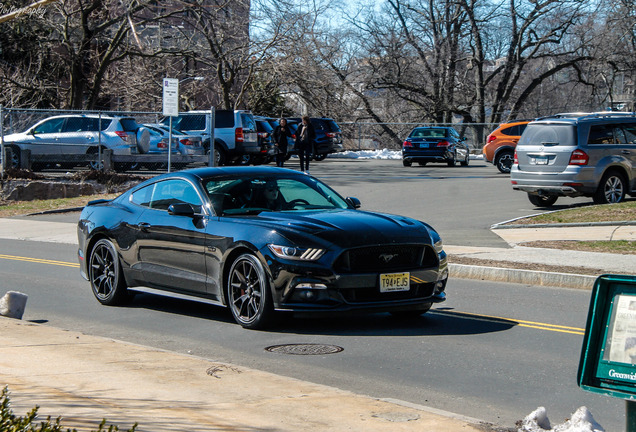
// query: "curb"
[[529, 277]]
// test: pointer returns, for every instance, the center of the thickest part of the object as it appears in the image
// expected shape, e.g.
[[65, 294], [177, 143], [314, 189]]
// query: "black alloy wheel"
[[466, 161], [105, 274], [249, 296], [15, 160], [504, 162], [542, 200], [611, 190]]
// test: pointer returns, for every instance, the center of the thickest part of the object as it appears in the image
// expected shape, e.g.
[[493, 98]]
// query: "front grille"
[[378, 259], [373, 294]]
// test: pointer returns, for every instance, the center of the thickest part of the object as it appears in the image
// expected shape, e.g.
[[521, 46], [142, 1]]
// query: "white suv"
[[58, 139], [590, 154]]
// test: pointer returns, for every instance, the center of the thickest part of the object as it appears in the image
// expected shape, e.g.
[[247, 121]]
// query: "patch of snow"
[[581, 421]]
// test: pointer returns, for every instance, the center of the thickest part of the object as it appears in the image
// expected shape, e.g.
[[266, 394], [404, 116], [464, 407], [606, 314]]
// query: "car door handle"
[[143, 226]]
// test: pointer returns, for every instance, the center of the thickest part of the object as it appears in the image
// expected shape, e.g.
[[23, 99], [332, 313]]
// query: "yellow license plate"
[[391, 282]]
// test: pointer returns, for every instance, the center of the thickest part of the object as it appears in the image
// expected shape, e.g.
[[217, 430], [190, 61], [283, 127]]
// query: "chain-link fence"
[[378, 136], [63, 139]]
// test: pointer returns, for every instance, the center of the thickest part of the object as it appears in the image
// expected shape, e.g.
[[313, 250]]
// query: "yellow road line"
[[39, 261], [520, 323]]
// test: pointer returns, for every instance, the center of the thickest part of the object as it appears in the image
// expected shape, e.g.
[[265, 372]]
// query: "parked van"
[[235, 132], [577, 154]]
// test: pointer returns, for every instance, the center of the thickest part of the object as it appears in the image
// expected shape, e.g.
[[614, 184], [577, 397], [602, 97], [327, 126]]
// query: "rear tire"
[[406, 163], [320, 156], [542, 200], [466, 161], [504, 161], [16, 159], [611, 189], [105, 274]]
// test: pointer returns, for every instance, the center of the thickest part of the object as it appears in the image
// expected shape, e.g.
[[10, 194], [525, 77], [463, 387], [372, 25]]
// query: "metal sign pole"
[[212, 161], [630, 416], [169, 143], [99, 145]]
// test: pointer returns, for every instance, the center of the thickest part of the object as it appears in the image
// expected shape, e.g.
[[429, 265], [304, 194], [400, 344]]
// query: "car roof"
[[596, 117], [205, 172]]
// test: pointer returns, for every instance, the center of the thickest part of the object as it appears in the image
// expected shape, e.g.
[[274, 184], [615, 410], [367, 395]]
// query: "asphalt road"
[[493, 351]]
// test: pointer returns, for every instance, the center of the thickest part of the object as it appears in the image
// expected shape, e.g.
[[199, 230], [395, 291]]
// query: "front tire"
[[452, 162], [542, 200], [249, 296], [105, 274], [611, 190], [320, 156]]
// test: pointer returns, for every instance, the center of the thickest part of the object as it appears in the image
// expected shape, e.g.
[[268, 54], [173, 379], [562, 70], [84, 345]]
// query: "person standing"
[[280, 135], [305, 136]]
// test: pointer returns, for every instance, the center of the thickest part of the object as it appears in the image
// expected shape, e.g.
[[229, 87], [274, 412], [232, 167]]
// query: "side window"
[[601, 134], [508, 131], [619, 135], [142, 196], [248, 122], [50, 126], [173, 192], [522, 128], [630, 133]]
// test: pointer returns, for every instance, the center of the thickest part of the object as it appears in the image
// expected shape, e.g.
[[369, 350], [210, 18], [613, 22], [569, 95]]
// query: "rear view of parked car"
[[500, 144], [591, 155], [435, 144], [235, 132], [74, 139]]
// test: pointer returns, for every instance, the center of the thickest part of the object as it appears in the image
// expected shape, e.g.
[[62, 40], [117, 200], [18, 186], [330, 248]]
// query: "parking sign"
[[170, 97]]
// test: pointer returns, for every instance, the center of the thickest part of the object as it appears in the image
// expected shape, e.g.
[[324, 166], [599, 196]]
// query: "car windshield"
[[253, 195]]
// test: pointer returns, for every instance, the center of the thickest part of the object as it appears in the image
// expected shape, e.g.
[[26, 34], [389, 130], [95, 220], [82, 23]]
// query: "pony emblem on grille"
[[387, 257]]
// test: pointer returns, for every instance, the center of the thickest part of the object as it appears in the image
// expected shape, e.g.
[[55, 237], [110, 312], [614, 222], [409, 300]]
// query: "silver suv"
[[577, 154], [72, 139]]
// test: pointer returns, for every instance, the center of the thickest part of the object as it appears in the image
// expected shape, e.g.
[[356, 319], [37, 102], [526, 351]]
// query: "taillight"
[[443, 144], [490, 139], [294, 136], [579, 157], [262, 134], [238, 135], [186, 142], [162, 145], [516, 160], [122, 134], [330, 134], [407, 144]]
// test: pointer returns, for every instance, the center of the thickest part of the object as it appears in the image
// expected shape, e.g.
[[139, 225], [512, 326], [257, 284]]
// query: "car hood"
[[347, 228]]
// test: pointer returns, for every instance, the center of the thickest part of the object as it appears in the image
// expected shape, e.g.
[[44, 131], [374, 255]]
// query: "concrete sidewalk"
[[86, 378]]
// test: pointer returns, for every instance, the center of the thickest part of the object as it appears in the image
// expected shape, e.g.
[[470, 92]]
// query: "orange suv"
[[501, 143]]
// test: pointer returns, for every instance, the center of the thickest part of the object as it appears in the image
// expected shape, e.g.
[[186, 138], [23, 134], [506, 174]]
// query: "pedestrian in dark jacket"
[[305, 136], [280, 135]]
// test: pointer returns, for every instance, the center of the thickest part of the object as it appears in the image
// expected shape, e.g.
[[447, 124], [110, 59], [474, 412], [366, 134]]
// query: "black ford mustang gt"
[[258, 240]]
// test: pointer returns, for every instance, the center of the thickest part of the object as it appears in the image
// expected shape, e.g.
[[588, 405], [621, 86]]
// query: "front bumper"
[[304, 290]]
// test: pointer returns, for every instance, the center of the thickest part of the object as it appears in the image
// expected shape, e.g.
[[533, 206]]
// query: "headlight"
[[296, 253], [439, 247]]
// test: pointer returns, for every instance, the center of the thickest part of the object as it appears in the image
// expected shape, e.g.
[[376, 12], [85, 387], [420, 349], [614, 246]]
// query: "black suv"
[[328, 136]]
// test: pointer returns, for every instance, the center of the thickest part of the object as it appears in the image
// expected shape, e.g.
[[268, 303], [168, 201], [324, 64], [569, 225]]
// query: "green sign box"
[[608, 357]]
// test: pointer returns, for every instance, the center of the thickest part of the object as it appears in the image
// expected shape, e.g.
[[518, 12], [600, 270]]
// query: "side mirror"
[[181, 209], [354, 202]]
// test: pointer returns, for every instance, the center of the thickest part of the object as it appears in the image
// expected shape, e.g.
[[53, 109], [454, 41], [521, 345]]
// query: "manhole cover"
[[305, 349]]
